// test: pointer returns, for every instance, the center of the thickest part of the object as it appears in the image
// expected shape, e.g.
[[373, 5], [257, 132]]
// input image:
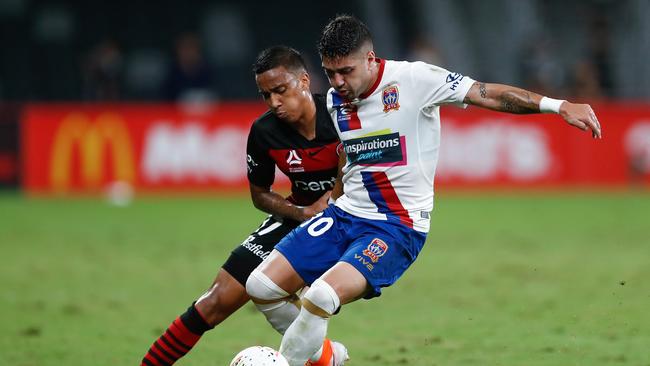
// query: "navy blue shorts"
[[380, 250]]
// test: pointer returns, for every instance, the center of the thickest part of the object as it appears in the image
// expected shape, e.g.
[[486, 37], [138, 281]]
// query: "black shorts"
[[252, 251]]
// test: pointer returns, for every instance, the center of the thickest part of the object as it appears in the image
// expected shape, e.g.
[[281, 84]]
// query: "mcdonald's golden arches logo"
[[93, 137]]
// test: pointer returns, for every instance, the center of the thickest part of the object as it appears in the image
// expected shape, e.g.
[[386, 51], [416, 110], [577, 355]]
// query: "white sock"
[[304, 338], [306, 334], [281, 313], [316, 356]]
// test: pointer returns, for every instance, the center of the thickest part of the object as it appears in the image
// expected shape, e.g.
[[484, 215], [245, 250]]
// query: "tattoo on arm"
[[517, 101], [482, 90]]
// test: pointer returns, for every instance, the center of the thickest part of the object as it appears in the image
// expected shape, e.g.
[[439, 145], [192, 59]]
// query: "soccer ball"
[[259, 356]]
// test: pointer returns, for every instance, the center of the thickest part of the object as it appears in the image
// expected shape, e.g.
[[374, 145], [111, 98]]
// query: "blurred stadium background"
[[122, 134]]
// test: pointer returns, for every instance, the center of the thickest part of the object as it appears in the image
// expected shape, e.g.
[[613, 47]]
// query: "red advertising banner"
[[481, 147], [85, 148]]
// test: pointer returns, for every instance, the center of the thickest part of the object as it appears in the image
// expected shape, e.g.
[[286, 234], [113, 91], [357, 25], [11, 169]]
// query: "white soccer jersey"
[[391, 136]]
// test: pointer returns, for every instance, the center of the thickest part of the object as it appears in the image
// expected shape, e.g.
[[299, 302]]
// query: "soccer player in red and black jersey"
[[297, 136]]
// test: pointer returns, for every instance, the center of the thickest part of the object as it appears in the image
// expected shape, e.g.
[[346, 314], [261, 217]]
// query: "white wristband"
[[550, 105], [331, 201]]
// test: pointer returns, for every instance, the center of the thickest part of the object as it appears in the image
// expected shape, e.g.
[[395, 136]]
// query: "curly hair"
[[343, 35], [275, 56]]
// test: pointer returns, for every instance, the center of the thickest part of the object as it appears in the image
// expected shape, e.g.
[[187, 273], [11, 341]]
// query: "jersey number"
[[318, 225]]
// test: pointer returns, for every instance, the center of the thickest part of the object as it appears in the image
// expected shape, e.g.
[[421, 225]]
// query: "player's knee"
[[208, 307], [260, 287], [217, 305], [321, 299]]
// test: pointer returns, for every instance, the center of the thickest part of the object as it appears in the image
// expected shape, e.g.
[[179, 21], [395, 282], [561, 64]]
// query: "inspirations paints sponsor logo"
[[95, 139], [388, 149]]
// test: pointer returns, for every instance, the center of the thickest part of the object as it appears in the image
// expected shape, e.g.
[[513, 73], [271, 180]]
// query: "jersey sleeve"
[[437, 86], [261, 168]]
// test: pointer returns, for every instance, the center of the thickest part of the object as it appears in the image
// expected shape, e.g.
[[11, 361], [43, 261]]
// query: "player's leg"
[[226, 295], [272, 287], [341, 284], [297, 259], [376, 258], [301, 257]]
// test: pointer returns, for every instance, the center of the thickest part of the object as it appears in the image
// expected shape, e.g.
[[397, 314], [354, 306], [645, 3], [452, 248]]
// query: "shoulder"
[[416, 68], [413, 73], [424, 75], [323, 103], [264, 124], [328, 98], [324, 119], [394, 67], [320, 100]]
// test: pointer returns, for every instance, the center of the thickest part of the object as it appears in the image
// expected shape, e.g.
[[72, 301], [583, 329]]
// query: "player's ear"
[[371, 57], [305, 81]]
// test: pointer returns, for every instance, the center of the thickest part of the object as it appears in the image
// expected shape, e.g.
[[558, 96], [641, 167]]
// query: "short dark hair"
[[275, 56], [343, 35]]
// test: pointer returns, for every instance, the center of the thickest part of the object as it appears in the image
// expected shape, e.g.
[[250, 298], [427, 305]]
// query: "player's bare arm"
[[273, 203], [509, 99], [337, 191]]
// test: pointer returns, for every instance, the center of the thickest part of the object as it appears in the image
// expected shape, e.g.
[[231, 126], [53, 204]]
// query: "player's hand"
[[316, 207], [582, 117]]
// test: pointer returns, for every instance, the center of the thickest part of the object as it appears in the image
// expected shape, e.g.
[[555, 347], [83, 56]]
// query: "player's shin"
[[306, 334], [177, 340], [278, 306]]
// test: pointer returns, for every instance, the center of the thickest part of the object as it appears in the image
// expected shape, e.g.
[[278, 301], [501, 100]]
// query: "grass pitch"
[[505, 279]]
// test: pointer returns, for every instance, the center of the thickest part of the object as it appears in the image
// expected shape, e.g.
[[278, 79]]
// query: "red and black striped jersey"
[[310, 165]]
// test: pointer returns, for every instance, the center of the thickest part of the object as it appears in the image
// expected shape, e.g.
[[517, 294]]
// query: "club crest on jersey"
[[390, 98], [376, 249], [295, 162]]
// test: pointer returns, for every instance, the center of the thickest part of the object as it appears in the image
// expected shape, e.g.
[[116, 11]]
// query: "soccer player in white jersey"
[[387, 116]]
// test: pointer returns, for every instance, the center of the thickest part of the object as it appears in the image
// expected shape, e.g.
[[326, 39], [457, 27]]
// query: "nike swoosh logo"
[[312, 153]]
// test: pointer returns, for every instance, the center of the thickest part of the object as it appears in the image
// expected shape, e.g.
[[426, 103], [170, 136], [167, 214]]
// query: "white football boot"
[[339, 354]]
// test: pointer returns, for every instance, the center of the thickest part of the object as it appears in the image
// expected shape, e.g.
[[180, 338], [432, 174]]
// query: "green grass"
[[505, 279]]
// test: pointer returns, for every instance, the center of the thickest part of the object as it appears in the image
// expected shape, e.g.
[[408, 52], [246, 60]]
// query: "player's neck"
[[374, 74], [306, 125]]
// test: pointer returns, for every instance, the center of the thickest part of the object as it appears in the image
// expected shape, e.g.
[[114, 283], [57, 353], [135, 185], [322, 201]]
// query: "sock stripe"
[[146, 361], [171, 346], [176, 341], [174, 353], [183, 334], [162, 351], [158, 358]]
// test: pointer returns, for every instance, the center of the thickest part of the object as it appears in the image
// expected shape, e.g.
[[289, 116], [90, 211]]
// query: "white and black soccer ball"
[[259, 356]]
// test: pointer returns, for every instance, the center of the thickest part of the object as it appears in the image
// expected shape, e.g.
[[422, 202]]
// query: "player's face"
[[351, 75], [285, 92]]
